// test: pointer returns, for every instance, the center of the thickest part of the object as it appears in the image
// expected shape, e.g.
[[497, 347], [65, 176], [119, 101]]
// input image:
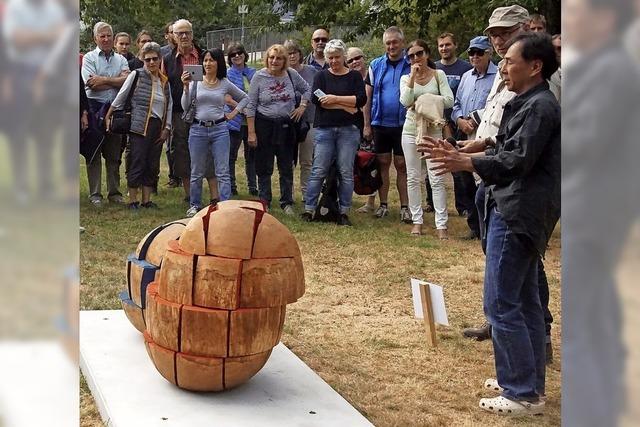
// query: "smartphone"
[[319, 93], [195, 71]]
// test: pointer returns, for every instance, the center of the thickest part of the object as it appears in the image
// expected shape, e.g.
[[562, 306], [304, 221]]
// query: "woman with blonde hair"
[[271, 114]]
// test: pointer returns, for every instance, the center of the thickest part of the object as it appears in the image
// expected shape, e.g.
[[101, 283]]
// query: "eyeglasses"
[[151, 59], [355, 58], [234, 54], [476, 52], [182, 33], [321, 40], [418, 54], [504, 35]]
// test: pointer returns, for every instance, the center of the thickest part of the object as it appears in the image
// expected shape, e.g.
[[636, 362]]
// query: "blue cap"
[[480, 42]]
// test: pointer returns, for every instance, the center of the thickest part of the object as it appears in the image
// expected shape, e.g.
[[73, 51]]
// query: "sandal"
[[443, 234], [492, 384], [502, 406]]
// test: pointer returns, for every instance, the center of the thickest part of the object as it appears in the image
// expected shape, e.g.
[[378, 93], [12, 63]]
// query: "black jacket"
[[523, 177], [173, 69]]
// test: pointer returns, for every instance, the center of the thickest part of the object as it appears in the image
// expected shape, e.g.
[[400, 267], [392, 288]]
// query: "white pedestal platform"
[[130, 392]]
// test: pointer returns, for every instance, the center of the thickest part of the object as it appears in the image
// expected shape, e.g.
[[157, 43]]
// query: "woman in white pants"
[[423, 79]]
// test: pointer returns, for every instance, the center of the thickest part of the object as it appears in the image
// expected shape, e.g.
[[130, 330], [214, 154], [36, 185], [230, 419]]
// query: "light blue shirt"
[[96, 63], [473, 91]]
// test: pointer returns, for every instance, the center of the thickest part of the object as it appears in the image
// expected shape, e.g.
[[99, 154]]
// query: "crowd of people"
[[495, 127]]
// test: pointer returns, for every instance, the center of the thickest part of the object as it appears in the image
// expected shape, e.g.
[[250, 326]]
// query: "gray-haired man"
[[104, 71]]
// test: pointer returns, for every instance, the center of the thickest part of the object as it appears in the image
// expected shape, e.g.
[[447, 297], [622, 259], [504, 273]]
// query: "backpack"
[[367, 178], [328, 209]]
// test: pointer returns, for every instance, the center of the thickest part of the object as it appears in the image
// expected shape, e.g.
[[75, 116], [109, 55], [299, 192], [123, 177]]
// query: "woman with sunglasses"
[[209, 131], [337, 135], [423, 79], [271, 114], [240, 75], [151, 107]]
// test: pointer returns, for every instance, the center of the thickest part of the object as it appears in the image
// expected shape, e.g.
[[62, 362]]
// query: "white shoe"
[[492, 384], [288, 210], [502, 406]]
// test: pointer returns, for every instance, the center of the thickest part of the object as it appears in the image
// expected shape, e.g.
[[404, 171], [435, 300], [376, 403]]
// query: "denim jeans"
[[202, 140], [333, 143], [239, 137], [512, 307]]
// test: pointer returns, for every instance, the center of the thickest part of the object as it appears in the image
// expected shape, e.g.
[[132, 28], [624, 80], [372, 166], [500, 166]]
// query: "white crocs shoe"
[[502, 406], [492, 384]]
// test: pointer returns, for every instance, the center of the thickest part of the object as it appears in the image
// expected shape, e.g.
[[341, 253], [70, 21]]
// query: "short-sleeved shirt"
[[98, 63]]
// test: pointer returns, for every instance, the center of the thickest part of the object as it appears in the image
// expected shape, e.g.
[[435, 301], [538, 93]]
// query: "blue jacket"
[[235, 76], [377, 70]]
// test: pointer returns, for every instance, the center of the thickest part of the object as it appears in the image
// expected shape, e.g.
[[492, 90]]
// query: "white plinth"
[[130, 392]]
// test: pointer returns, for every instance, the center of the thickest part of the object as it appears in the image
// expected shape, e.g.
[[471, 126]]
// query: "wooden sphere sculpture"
[[142, 267], [217, 308]]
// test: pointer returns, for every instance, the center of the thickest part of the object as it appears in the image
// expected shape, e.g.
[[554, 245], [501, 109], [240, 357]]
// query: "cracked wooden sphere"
[[217, 307]]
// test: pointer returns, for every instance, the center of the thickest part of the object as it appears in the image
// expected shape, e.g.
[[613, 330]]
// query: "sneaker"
[[480, 333], [364, 209], [192, 211], [116, 198], [133, 206], [464, 213], [97, 203], [382, 211], [405, 216], [288, 210], [306, 216], [343, 219], [149, 205]]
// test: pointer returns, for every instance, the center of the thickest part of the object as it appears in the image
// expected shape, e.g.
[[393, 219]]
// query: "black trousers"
[[274, 140], [144, 166]]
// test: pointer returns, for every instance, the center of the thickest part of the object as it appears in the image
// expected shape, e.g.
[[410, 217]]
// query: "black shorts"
[[387, 140]]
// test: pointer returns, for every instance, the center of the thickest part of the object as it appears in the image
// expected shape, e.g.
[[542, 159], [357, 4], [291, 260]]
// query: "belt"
[[209, 123]]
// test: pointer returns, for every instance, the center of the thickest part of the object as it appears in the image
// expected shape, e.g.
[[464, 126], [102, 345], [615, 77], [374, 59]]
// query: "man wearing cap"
[[473, 90]]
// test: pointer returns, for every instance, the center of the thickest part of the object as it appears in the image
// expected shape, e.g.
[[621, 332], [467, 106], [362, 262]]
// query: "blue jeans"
[[339, 144], [512, 307], [201, 140]]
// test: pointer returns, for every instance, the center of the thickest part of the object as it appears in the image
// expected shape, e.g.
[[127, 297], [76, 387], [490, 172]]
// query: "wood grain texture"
[[199, 373], [134, 314], [163, 322], [217, 282], [253, 330], [176, 277], [274, 240], [157, 248], [238, 370], [192, 239], [268, 282], [164, 360], [204, 331], [247, 204], [231, 233]]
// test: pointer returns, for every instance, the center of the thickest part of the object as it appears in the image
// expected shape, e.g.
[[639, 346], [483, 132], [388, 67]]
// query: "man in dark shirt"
[[522, 175]]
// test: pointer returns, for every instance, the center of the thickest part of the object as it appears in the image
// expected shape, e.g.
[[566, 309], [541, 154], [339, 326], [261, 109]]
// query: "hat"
[[480, 42], [507, 16]]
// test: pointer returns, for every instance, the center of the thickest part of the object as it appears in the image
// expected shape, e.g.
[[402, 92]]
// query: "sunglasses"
[[321, 40], [355, 58], [476, 52], [234, 54], [182, 33], [418, 54], [151, 59]]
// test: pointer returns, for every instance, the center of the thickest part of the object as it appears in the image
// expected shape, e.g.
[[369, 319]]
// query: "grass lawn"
[[354, 326]]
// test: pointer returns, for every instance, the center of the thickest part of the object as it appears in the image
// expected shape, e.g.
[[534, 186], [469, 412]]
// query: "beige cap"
[[507, 16]]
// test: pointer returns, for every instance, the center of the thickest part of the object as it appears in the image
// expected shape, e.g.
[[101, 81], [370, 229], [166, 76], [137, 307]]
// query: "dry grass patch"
[[354, 326]]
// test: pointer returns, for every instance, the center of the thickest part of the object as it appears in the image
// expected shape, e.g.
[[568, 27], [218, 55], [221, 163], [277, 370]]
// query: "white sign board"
[[243, 9], [437, 301]]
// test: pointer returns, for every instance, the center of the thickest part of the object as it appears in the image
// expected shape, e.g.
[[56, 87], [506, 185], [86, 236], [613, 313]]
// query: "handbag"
[[121, 119], [190, 115], [447, 129], [301, 127]]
